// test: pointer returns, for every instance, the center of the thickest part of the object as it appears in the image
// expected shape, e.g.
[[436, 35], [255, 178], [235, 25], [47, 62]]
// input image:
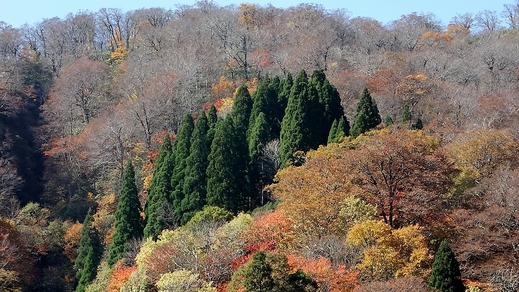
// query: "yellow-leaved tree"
[[389, 252]]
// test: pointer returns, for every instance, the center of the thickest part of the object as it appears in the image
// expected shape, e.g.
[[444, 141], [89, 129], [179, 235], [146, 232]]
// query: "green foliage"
[[332, 135], [181, 149], [209, 214], [128, 223], [195, 180], [355, 210], [339, 129], [265, 100], [160, 189], [258, 276], [445, 273], [227, 172], [89, 254], [295, 132], [406, 114], [367, 116], [388, 121]]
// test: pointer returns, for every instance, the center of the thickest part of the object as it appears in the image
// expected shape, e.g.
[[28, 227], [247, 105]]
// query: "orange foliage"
[[120, 276], [274, 226], [71, 239], [224, 88], [335, 278]]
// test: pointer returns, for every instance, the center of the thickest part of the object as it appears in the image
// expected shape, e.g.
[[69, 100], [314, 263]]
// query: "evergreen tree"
[[285, 87], [181, 149], [295, 128], [195, 181], [258, 275], [406, 114], [212, 118], [128, 223], [445, 274], [332, 135], [159, 188], [241, 110], [388, 121], [330, 104], [367, 116], [89, 254], [227, 181], [159, 199], [259, 136], [265, 100], [343, 128], [418, 125]]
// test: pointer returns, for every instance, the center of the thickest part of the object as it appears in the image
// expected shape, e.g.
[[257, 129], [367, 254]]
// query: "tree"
[[367, 116], [181, 149], [89, 254], [258, 274], [227, 181], [406, 114], [128, 222], [195, 181], [445, 274], [160, 190], [295, 131]]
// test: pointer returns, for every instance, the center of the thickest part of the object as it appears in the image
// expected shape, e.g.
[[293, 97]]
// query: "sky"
[[19, 12]]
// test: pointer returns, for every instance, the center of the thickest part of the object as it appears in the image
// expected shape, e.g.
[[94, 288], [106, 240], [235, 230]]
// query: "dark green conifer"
[[295, 131], [181, 149], [158, 198], [128, 222], [195, 181], [332, 135], [265, 100], [445, 274], [89, 254], [406, 114], [285, 86], [388, 121], [227, 182], [367, 116], [258, 275]]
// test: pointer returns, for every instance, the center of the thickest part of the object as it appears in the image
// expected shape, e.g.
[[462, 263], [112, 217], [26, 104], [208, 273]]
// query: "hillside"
[[250, 148]]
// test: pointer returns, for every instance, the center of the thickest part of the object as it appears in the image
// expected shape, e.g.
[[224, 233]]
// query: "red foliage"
[[120, 276]]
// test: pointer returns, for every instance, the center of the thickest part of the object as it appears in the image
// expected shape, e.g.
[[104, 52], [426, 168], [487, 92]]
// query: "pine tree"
[[241, 110], [89, 254], [258, 275], [128, 223], [445, 274], [212, 118], [195, 181], [343, 128], [181, 149], [295, 133], [406, 114], [259, 136], [367, 116], [227, 181], [285, 86]]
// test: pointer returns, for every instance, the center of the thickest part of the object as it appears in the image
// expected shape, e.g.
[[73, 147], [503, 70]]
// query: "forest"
[[256, 148]]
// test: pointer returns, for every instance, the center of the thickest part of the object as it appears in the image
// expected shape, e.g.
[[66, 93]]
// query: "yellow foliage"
[[482, 151], [71, 239], [389, 253], [183, 280]]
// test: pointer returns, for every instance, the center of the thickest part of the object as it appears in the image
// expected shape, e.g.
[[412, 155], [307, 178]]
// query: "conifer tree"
[[343, 128], [367, 116], [128, 223], [89, 254], [212, 118], [406, 114], [332, 135], [159, 198], [445, 274], [159, 188], [330, 104], [388, 121], [195, 181], [241, 110], [258, 275], [285, 86], [295, 130], [181, 149], [265, 100], [227, 181], [259, 136]]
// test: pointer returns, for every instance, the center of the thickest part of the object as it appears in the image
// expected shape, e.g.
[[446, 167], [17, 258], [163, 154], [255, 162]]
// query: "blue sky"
[[19, 12]]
